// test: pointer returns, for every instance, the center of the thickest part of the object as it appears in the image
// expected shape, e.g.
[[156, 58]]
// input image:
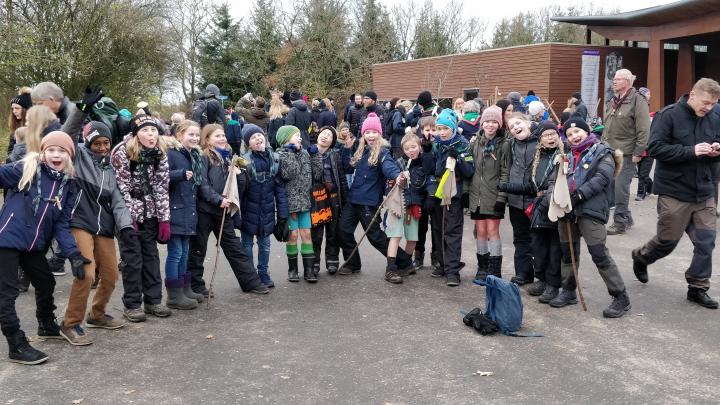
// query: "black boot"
[[293, 269], [619, 305], [332, 266], [495, 266], [482, 269], [639, 266], [699, 296], [49, 329], [308, 268], [566, 297], [641, 193], [20, 351]]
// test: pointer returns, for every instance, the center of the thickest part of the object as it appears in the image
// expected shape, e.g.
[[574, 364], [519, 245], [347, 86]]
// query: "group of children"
[[152, 189]]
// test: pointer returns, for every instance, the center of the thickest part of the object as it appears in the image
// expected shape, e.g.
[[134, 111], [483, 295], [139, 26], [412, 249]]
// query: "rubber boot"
[[332, 266], [495, 266], [20, 351], [482, 269], [308, 268], [176, 298], [187, 290], [293, 269]]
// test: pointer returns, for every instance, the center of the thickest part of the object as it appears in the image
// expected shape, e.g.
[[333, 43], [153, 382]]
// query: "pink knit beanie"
[[372, 122]]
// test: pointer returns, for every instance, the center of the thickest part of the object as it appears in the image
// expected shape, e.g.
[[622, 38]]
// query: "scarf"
[[470, 116], [617, 101], [197, 167], [147, 157], [585, 144], [224, 154], [55, 175]]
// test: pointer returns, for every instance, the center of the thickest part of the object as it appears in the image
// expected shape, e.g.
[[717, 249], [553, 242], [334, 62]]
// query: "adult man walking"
[[685, 142], [627, 122]]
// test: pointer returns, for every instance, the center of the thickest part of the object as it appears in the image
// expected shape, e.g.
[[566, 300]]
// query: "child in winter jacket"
[[214, 215], [590, 175], [327, 169], [37, 210], [426, 131], [185, 161], [450, 150], [141, 168], [522, 148], [491, 151], [264, 200], [469, 125], [296, 172], [372, 165]]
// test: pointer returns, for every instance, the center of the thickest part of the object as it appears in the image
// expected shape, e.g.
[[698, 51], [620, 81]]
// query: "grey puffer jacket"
[[296, 172], [523, 154]]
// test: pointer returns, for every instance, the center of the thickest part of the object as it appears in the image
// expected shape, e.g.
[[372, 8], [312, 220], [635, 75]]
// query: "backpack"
[[106, 111], [198, 113], [503, 305]]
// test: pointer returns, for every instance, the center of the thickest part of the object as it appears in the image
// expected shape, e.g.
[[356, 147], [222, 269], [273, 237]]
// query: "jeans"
[[263, 250], [176, 263]]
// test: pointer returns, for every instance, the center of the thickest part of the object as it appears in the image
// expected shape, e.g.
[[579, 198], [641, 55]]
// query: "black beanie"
[[248, 131], [334, 134], [371, 94], [544, 126], [577, 95], [23, 100], [425, 99], [295, 95], [576, 122]]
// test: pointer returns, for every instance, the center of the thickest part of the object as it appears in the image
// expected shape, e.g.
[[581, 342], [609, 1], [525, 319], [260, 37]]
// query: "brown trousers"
[[100, 250]]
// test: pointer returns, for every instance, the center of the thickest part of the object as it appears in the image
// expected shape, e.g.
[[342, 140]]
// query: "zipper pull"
[[57, 203]]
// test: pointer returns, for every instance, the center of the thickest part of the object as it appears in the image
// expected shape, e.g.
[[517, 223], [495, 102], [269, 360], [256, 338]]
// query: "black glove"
[[281, 230], [453, 153], [499, 207], [503, 186], [312, 149], [93, 94], [576, 198], [426, 146], [77, 264], [480, 322]]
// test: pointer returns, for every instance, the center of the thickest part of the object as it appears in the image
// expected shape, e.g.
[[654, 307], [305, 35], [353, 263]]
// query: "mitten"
[[163, 231]]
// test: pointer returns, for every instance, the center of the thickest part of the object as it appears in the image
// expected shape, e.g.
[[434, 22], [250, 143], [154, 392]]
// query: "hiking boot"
[[159, 310], [495, 266], [261, 289], [176, 298], [105, 322], [188, 291], [332, 267], [482, 268], [265, 279], [536, 288], [134, 314], [453, 280], [57, 266], [76, 335], [418, 259], [548, 294], [520, 280], [565, 297], [639, 267], [293, 276], [48, 329], [393, 277], [308, 268], [23, 282], [408, 271], [619, 305], [700, 296], [616, 229], [347, 270], [20, 351]]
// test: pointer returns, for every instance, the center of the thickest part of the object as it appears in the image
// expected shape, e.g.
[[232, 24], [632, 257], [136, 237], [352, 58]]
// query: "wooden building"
[[555, 70]]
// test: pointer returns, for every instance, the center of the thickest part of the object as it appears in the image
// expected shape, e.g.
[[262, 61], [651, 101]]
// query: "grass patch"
[[4, 139]]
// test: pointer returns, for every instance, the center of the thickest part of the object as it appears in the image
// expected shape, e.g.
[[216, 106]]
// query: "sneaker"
[[437, 271], [134, 314], [639, 267], [48, 329], [159, 310], [106, 322], [566, 297], [619, 305], [453, 280], [520, 280], [700, 296], [21, 352], [536, 288], [76, 335], [57, 266], [393, 277], [548, 294], [616, 229], [266, 280], [261, 289]]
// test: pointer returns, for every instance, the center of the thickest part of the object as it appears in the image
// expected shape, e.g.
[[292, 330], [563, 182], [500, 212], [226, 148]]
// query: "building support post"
[[685, 69], [656, 74]]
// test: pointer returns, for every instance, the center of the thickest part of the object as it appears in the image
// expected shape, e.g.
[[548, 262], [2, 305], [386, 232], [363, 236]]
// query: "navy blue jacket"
[[415, 191], [232, 133], [26, 229], [368, 186], [183, 193], [265, 196], [593, 182], [326, 118], [395, 128]]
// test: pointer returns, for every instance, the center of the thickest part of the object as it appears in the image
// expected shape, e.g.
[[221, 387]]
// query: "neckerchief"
[[55, 175], [585, 144], [617, 101], [147, 157], [196, 165], [548, 169]]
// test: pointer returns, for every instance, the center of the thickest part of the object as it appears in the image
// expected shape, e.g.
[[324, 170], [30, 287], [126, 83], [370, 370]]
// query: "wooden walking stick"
[[574, 265], [217, 254], [549, 106]]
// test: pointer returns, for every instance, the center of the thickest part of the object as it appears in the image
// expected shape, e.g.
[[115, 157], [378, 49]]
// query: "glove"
[[499, 207], [480, 322], [453, 153], [426, 147], [576, 198], [291, 147], [77, 264], [312, 149], [92, 95], [163, 231], [503, 186], [281, 230]]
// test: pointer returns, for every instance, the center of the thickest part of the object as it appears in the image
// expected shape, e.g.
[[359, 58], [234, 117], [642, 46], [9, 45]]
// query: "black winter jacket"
[[523, 153], [544, 182], [331, 163], [416, 189], [265, 197], [593, 182], [300, 117], [214, 176]]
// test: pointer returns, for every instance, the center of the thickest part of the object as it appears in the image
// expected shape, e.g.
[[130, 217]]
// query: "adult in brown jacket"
[[627, 123]]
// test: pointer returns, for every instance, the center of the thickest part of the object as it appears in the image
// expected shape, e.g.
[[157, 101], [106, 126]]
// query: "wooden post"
[[656, 74], [685, 70]]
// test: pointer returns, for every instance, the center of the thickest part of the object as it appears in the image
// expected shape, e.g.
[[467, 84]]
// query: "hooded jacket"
[[265, 197], [256, 116], [300, 117], [592, 175], [368, 185], [183, 192], [492, 166], [296, 172], [523, 154]]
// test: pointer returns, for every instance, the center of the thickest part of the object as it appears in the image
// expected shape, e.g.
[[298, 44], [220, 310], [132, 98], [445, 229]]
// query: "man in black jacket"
[[685, 142]]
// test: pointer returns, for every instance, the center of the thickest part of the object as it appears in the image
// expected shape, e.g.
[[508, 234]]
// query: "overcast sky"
[[491, 11]]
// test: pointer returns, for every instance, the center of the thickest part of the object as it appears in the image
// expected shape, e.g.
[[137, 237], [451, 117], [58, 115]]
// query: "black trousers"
[[423, 226], [351, 215], [140, 266], [235, 253], [36, 269], [546, 250], [523, 257], [329, 232], [447, 238]]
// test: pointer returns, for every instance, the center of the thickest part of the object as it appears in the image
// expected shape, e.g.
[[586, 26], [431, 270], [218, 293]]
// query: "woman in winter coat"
[[141, 168], [217, 163], [327, 169], [491, 152], [296, 173], [264, 199], [277, 114], [19, 105], [37, 210], [185, 161]]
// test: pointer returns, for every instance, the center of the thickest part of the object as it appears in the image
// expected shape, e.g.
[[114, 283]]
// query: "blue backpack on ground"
[[503, 305]]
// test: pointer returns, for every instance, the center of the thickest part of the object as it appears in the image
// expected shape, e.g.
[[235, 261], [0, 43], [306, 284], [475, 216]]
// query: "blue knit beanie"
[[447, 118]]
